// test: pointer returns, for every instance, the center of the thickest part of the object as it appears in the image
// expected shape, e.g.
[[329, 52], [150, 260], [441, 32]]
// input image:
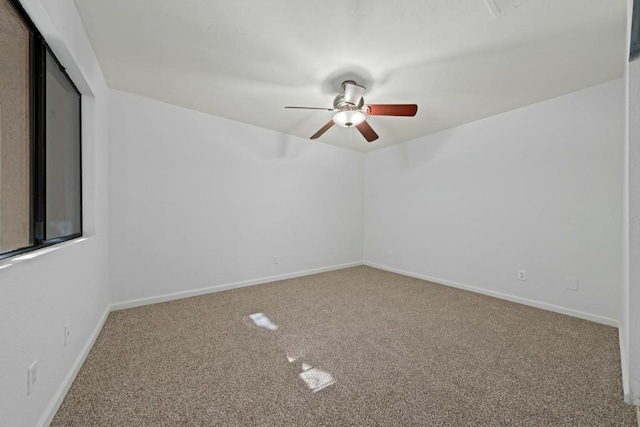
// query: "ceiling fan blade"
[[366, 131], [392, 109], [313, 108], [353, 93], [322, 130]]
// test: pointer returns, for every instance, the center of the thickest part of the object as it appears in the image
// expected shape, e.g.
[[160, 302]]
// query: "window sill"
[[8, 262]]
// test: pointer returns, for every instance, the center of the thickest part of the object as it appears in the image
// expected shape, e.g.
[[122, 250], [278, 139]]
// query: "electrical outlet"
[[522, 275], [67, 334], [32, 378], [276, 260]]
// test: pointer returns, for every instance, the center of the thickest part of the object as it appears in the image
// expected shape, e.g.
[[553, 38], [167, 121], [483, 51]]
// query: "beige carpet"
[[356, 347]]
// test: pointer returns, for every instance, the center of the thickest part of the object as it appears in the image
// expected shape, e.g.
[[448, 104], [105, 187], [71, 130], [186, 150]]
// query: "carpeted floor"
[[355, 347]]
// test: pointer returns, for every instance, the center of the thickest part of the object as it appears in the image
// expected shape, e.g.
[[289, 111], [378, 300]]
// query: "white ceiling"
[[246, 59]]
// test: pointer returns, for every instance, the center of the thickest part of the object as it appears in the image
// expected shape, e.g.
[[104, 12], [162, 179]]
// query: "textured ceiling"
[[459, 60]]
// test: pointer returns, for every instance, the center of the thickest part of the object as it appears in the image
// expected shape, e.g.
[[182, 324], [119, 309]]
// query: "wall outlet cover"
[[522, 275], [67, 333], [32, 377]]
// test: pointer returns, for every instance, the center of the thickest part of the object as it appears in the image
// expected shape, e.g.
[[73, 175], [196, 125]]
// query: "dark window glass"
[[15, 131], [62, 154]]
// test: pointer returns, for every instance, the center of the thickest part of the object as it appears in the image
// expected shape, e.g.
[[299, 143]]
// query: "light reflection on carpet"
[[314, 378], [263, 321], [317, 379]]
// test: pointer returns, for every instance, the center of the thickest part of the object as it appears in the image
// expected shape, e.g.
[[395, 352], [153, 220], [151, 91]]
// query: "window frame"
[[38, 49], [634, 51]]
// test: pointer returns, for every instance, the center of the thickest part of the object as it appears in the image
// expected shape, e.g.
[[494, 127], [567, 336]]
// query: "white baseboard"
[[533, 303], [623, 366], [217, 288], [57, 399]]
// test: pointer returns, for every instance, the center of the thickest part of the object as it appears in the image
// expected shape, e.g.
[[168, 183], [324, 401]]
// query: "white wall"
[[538, 188], [38, 296], [633, 298], [200, 201]]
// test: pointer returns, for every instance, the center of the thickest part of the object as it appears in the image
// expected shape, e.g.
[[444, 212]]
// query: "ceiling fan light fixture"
[[349, 118], [352, 111]]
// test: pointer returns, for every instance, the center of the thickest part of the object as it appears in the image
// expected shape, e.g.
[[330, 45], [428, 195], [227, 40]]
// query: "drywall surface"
[[199, 201], [536, 189], [39, 296], [633, 347], [623, 328]]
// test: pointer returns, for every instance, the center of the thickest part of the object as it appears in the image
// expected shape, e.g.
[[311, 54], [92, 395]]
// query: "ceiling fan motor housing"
[[344, 102], [339, 103]]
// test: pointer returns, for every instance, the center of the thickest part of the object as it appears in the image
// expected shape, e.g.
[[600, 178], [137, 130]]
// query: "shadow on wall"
[[270, 145], [418, 153]]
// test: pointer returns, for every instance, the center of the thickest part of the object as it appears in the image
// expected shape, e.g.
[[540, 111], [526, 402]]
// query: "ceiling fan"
[[352, 111]]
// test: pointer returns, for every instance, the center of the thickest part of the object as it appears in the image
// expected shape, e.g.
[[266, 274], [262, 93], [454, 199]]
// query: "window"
[[40, 147], [635, 30], [62, 153]]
